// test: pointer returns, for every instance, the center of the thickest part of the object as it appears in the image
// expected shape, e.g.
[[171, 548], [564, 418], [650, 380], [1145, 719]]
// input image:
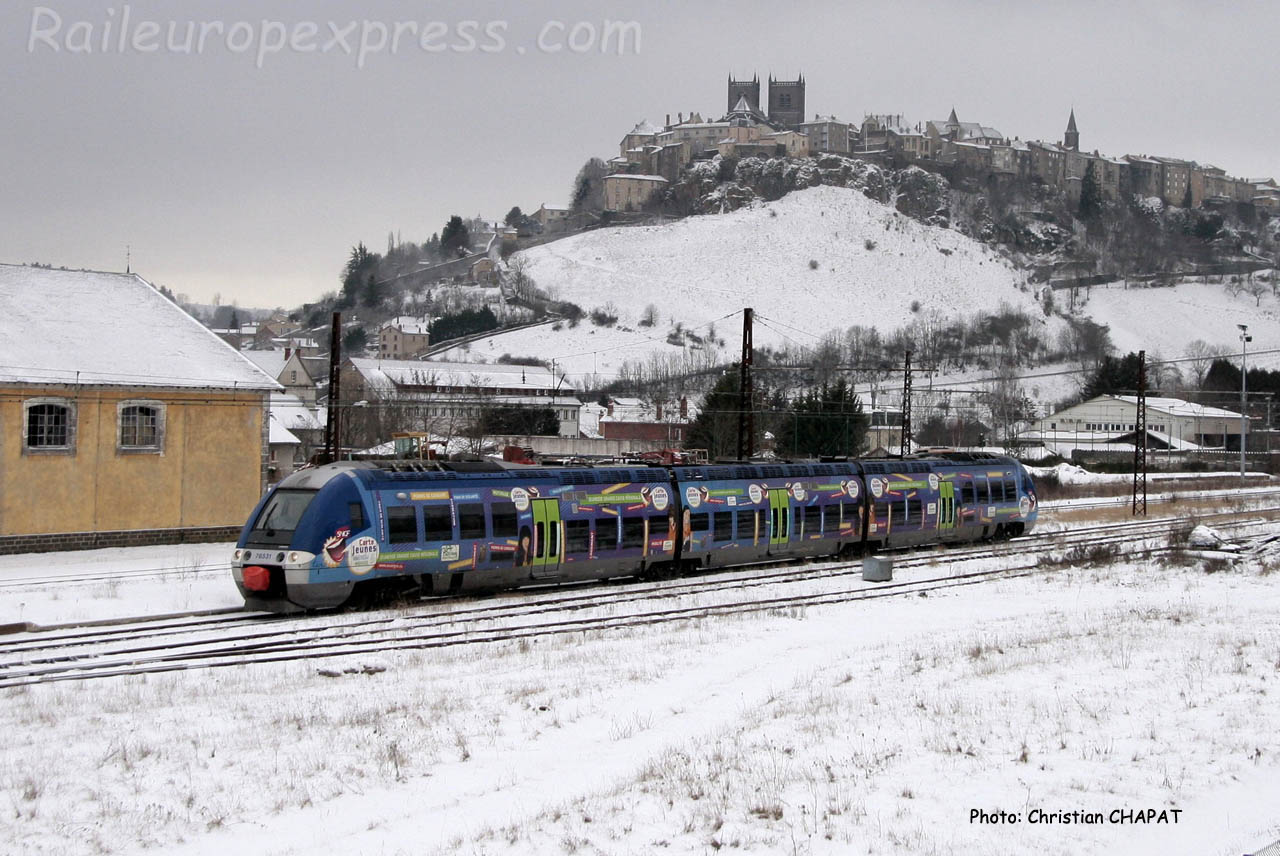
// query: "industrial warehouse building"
[[1108, 423], [122, 419]]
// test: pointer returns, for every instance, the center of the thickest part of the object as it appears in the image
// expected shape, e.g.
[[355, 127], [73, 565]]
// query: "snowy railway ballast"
[[327, 534]]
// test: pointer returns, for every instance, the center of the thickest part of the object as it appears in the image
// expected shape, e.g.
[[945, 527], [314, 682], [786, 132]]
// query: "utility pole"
[[1140, 441], [1245, 339], [332, 434], [906, 408], [746, 397]]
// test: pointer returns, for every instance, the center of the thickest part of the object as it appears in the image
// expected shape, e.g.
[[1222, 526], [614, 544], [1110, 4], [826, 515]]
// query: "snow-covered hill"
[[1164, 321], [816, 260], [874, 267]]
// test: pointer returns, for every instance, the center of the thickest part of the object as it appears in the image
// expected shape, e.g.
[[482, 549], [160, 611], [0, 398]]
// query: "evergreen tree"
[[1114, 376], [1090, 195], [588, 187], [716, 427], [825, 420], [355, 340], [361, 264], [372, 292], [455, 238], [514, 217], [1186, 197]]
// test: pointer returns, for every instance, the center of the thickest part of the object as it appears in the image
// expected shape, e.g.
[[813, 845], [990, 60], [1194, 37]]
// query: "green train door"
[[779, 517], [547, 537], [946, 506]]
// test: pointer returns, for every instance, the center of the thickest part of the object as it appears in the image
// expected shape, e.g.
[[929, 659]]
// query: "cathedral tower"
[[748, 89], [786, 101]]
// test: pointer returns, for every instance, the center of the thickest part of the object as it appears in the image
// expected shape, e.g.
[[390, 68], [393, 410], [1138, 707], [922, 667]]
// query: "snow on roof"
[[636, 177], [644, 126], [278, 435], [408, 324], [387, 374], [97, 328], [271, 362], [293, 414], [1178, 407]]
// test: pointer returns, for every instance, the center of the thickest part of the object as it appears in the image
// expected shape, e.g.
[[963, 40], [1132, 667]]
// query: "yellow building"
[[122, 419]]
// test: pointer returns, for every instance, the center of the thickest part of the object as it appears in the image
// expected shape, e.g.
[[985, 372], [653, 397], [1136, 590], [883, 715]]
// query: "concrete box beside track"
[[877, 569]]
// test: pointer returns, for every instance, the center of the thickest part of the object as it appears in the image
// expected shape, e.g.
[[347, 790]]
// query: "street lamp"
[[1245, 339]]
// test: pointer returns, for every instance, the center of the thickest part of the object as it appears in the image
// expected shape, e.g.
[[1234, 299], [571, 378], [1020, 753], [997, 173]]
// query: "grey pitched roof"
[[109, 329]]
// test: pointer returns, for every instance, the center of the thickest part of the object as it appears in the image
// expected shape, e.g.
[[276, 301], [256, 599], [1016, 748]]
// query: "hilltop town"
[[651, 158]]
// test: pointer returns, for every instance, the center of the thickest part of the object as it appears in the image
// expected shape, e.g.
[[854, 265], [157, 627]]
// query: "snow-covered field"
[[875, 727], [871, 266], [61, 588]]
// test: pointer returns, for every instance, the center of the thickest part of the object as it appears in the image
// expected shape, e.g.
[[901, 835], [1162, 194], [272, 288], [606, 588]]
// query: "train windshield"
[[280, 516]]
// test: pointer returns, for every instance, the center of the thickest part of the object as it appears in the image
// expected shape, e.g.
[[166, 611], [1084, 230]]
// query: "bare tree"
[[1202, 355]]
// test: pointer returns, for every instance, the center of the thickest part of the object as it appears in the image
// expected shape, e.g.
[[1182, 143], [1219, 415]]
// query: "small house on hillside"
[[299, 375], [122, 418], [403, 337]]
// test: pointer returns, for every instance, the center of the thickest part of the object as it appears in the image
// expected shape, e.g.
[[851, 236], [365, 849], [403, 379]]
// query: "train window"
[[470, 521], [632, 532], [973, 493], [747, 524], [722, 524], [540, 539], [503, 515], [813, 520], [437, 523], [577, 536], [883, 512], [700, 522], [402, 524], [357, 515], [915, 511], [1010, 491]]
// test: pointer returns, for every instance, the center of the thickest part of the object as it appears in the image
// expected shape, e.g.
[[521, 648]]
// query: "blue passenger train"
[[325, 534]]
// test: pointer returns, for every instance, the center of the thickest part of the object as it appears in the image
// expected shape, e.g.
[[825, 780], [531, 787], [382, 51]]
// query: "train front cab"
[[280, 564]]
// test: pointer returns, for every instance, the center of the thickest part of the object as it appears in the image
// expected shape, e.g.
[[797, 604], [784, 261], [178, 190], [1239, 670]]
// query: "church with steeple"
[[1071, 139]]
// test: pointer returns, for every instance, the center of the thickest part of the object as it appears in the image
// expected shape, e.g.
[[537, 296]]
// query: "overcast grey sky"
[[249, 169]]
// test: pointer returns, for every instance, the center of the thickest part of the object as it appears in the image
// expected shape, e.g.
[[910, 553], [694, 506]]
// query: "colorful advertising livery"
[[322, 532]]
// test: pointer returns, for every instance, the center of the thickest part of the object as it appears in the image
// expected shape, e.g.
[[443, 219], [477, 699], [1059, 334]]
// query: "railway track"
[[144, 649], [1062, 505], [590, 594]]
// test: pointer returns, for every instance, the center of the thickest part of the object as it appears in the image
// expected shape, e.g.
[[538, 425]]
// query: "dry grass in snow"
[[873, 727]]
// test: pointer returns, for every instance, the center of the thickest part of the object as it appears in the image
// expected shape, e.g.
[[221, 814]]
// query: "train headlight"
[[236, 556], [298, 559]]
